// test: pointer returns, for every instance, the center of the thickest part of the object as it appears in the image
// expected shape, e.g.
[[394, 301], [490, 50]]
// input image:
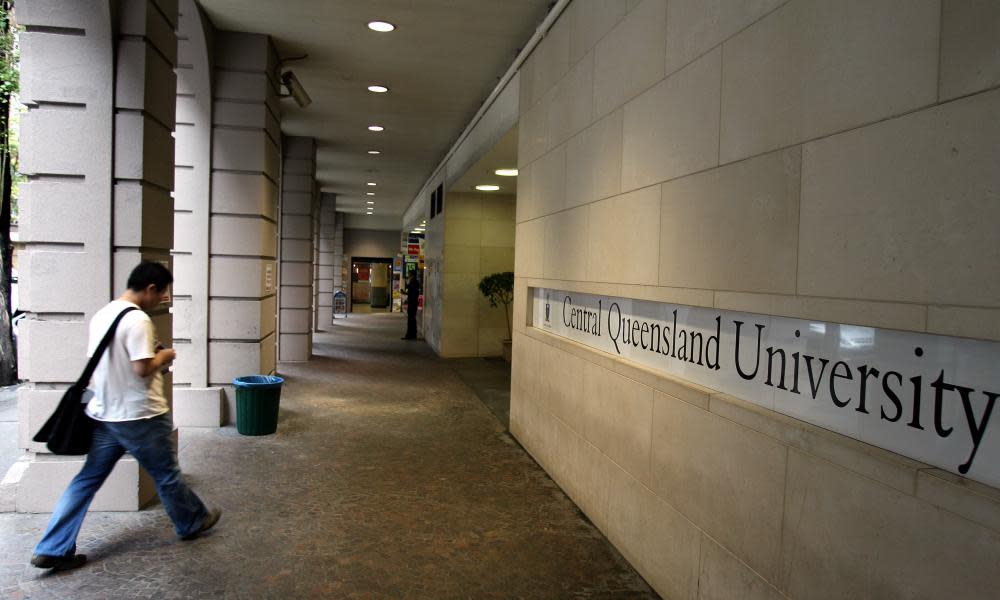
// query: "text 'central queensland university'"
[[927, 397]]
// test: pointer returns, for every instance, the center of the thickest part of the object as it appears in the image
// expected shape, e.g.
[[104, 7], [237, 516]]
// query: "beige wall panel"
[[495, 259], [727, 479], [630, 58], [591, 20], [548, 181], [499, 208], [696, 26], [247, 236], [498, 234], [462, 232], [459, 340], [812, 68], [245, 194], [239, 276], [460, 259], [296, 250], [625, 238], [296, 346], [550, 61], [980, 323], [975, 501], [566, 237], [725, 577], [673, 128], [970, 55], [572, 105], [295, 273], [903, 202], [533, 135], [838, 525], [525, 208], [655, 538], [49, 350], [296, 297], [242, 319], [733, 228], [583, 472], [889, 315], [560, 387], [228, 360], [616, 414], [462, 205], [295, 319], [461, 286], [594, 161], [528, 259]]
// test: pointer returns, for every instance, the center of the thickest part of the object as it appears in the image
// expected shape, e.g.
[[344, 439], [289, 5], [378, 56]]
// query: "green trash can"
[[257, 398]]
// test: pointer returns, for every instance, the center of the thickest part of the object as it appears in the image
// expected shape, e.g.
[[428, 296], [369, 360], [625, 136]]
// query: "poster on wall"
[[928, 397]]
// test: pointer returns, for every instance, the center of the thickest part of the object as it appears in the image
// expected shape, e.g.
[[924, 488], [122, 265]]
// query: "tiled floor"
[[387, 478]]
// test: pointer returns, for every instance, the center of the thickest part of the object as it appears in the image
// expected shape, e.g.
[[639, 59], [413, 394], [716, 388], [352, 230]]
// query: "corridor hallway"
[[387, 478]]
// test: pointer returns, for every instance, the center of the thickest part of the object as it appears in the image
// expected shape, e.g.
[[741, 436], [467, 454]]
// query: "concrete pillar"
[[324, 283], [97, 146], [298, 198], [245, 169], [195, 404], [340, 281]]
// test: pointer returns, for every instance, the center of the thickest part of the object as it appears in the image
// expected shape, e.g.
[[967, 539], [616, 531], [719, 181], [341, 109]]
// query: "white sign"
[[925, 396]]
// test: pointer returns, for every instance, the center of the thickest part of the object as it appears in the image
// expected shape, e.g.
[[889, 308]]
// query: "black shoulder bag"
[[69, 430]]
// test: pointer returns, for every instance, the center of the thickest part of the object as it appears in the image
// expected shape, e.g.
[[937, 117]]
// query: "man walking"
[[131, 415]]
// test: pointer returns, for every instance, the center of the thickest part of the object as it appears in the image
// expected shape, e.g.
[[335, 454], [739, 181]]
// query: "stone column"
[[339, 269], [243, 249], [324, 283], [97, 146], [195, 404], [298, 197]]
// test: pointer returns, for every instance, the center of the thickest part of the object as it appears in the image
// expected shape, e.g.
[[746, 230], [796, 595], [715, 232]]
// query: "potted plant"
[[499, 290]]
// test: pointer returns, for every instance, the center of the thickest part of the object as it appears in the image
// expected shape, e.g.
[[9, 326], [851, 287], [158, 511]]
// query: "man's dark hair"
[[148, 272]]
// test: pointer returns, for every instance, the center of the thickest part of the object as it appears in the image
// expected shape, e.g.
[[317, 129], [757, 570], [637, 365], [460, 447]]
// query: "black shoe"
[[59, 563], [210, 520]]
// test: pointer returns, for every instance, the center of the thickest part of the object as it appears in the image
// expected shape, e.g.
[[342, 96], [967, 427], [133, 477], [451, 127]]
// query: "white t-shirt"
[[120, 394]]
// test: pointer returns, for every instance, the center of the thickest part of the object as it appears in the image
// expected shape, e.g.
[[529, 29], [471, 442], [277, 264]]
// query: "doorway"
[[371, 284]]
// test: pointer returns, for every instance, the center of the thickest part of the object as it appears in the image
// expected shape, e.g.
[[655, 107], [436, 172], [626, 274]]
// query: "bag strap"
[[88, 371]]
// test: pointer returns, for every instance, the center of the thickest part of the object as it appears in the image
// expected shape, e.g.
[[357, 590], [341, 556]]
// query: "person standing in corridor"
[[131, 415], [412, 299]]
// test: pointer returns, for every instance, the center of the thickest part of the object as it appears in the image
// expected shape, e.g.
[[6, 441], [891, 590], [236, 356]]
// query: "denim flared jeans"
[[150, 442]]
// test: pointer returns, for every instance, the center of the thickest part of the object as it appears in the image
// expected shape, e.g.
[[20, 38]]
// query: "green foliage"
[[498, 288], [9, 75]]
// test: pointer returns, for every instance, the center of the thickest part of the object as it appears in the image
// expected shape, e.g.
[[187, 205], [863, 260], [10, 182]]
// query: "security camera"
[[295, 89]]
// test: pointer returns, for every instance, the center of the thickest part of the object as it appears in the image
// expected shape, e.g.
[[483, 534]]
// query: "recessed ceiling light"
[[487, 188], [375, 128], [374, 152], [371, 202], [506, 172], [369, 193], [381, 26], [371, 183], [378, 89]]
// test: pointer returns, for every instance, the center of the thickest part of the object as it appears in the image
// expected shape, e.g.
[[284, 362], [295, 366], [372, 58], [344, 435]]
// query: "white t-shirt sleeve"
[[139, 340]]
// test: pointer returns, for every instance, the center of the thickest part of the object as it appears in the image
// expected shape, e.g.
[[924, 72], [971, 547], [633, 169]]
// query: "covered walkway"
[[388, 478]]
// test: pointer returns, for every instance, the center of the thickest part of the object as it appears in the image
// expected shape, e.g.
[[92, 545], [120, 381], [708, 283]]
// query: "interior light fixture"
[[381, 26], [371, 202], [371, 183], [487, 188], [378, 89], [369, 193], [375, 128], [506, 172], [374, 152]]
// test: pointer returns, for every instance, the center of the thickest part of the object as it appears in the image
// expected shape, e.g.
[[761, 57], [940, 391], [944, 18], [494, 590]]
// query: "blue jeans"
[[149, 441]]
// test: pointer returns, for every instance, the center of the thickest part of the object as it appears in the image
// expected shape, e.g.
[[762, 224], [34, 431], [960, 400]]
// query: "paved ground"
[[387, 478]]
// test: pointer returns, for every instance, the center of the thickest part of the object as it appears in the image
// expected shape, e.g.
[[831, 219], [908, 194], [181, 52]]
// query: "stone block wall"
[[478, 241], [832, 161], [246, 150], [327, 249], [298, 200], [98, 148]]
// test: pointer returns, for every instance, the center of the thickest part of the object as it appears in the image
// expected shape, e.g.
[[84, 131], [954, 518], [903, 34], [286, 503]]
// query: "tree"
[[499, 290], [8, 88]]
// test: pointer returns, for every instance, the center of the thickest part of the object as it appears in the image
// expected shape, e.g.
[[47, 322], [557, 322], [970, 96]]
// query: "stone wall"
[[832, 161], [478, 241], [298, 200]]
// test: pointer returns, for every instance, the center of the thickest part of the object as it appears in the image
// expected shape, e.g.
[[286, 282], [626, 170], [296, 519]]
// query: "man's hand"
[[148, 366]]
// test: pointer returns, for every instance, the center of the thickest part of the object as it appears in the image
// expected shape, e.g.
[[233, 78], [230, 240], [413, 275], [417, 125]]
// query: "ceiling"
[[440, 64], [503, 155]]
